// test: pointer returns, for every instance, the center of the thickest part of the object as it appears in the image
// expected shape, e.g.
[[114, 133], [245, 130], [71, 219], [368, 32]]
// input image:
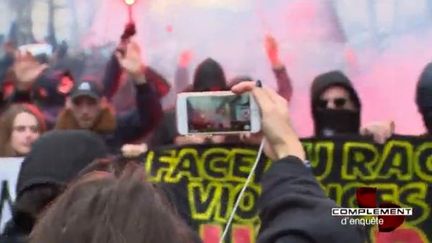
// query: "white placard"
[[9, 169]]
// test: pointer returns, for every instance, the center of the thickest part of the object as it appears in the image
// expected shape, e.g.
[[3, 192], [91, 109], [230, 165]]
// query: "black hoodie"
[[294, 208], [209, 76], [424, 96], [334, 122]]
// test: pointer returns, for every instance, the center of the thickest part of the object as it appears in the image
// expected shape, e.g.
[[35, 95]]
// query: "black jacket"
[[13, 234], [284, 84], [166, 131], [294, 208]]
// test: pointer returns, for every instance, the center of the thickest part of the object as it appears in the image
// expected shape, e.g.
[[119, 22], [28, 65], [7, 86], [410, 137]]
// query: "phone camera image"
[[228, 113]]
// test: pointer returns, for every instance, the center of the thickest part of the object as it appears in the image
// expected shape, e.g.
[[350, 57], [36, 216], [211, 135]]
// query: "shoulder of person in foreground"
[[294, 208]]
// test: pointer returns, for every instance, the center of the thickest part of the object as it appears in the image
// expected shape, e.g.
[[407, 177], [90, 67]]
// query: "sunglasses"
[[338, 103]]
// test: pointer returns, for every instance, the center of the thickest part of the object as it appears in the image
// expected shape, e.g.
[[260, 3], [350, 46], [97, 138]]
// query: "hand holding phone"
[[218, 112], [277, 128]]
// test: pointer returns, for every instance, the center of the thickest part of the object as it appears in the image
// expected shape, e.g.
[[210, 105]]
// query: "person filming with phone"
[[292, 206]]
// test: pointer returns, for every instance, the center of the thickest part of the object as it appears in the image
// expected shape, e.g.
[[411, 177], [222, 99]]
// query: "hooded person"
[[208, 76], [336, 106], [56, 158], [424, 97]]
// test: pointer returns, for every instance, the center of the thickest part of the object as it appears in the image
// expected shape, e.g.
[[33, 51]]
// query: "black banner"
[[205, 180]]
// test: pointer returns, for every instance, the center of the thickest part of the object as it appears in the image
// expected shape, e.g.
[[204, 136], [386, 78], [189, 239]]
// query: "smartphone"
[[217, 112], [37, 49]]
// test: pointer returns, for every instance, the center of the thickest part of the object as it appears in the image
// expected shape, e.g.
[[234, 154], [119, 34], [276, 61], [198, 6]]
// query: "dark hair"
[[209, 76], [7, 121], [100, 207]]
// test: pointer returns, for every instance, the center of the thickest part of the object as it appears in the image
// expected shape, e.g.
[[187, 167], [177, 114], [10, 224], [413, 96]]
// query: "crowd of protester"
[[61, 187]]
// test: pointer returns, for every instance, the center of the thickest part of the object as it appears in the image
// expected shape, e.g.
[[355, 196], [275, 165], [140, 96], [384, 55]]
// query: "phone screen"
[[226, 113]]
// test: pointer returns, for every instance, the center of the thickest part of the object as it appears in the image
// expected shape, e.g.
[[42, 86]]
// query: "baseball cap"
[[86, 88]]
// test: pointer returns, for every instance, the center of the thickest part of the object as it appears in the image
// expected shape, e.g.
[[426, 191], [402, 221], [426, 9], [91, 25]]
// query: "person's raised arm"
[[181, 79], [111, 78], [148, 112], [26, 70], [284, 84]]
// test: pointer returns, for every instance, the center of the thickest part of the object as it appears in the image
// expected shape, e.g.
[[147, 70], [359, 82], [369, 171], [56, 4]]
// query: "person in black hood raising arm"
[[336, 109]]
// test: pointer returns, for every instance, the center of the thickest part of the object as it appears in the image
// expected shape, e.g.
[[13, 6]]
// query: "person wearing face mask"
[[20, 126], [336, 109], [424, 97]]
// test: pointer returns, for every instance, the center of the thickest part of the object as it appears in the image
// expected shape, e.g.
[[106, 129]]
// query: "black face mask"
[[329, 122]]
